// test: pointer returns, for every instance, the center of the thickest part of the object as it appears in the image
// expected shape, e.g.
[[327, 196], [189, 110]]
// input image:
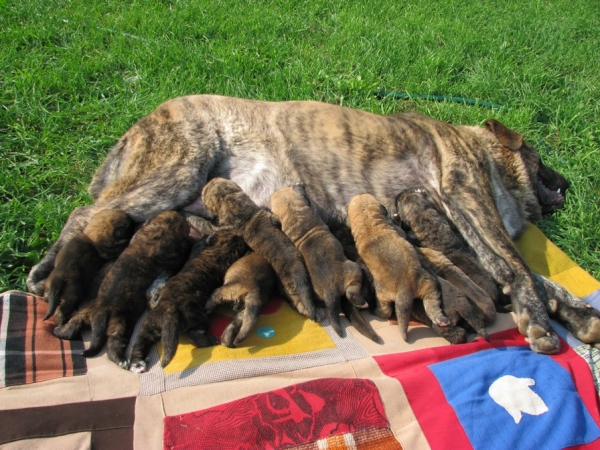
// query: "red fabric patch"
[[436, 416], [282, 418]]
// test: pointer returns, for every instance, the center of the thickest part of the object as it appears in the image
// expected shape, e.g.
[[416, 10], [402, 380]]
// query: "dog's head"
[[226, 204], [549, 186], [110, 230]]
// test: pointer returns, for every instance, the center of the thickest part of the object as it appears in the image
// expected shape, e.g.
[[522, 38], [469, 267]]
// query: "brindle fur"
[[398, 276], [332, 275], [182, 301], [430, 228], [232, 209], [487, 180], [461, 297], [72, 328], [161, 244], [580, 318], [248, 286], [78, 262]]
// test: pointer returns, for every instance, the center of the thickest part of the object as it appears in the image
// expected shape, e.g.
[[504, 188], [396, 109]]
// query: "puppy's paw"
[[452, 333], [123, 363], [139, 367]]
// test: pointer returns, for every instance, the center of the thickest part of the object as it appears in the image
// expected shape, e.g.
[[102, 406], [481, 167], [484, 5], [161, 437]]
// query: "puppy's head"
[[110, 230], [226, 203], [288, 202], [366, 208], [164, 234], [524, 164]]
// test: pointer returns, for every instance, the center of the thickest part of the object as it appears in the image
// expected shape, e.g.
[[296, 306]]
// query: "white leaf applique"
[[516, 397]]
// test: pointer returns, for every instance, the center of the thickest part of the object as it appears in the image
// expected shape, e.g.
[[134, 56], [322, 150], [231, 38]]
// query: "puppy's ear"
[[507, 137], [275, 221], [301, 189]]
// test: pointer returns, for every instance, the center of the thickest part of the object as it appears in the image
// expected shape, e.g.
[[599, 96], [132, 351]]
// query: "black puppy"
[[162, 244], [182, 301], [78, 262]]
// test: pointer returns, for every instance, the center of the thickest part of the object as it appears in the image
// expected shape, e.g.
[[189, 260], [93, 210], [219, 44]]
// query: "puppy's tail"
[[99, 326], [169, 336], [53, 296]]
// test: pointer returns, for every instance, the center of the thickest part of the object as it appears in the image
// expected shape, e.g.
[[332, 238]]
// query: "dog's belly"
[[329, 183]]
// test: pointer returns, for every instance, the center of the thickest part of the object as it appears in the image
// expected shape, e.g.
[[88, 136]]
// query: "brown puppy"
[[248, 285], [431, 228], [488, 180], [461, 312], [332, 275], [455, 304], [182, 301], [394, 264], [437, 263], [160, 245], [78, 262], [232, 209]]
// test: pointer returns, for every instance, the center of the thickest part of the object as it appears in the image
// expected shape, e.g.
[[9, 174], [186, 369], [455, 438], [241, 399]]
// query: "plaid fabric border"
[[29, 352]]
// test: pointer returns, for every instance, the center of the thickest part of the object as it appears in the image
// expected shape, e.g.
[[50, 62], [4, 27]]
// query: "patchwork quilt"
[[295, 384]]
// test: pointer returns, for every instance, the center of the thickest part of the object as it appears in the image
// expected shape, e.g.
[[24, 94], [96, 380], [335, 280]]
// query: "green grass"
[[74, 75]]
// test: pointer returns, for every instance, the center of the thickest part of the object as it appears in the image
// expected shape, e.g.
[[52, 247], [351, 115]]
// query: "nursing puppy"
[[248, 286], [160, 245], [463, 302], [231, 209], [462, 313], [332, 275], [394, 264], [430, 228], [182, 301], [487, 179], [78, 262], [436, 263], [455, 287]]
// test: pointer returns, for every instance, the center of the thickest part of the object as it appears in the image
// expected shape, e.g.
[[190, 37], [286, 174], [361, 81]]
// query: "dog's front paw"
[[541, 340]]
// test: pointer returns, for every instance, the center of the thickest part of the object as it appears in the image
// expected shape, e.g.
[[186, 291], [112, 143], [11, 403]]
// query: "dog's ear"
[[507, 137]]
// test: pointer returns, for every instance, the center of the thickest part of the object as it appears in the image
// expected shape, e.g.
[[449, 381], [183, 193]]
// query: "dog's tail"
[[99, 326], [53, 296], [169, 336]]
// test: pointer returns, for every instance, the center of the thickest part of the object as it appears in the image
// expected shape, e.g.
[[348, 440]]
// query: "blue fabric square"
[[514, 398]]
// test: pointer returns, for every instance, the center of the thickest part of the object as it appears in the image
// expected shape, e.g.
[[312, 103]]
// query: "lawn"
[[74, 75]]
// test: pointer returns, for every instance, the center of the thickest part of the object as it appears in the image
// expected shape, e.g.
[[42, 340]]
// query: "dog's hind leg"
[[119, 331], [149, 333], [403, 306], [333, 309], [353, 314], [76, 222]]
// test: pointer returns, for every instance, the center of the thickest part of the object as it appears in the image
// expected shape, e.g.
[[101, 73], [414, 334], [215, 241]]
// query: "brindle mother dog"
[[487, 180]]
